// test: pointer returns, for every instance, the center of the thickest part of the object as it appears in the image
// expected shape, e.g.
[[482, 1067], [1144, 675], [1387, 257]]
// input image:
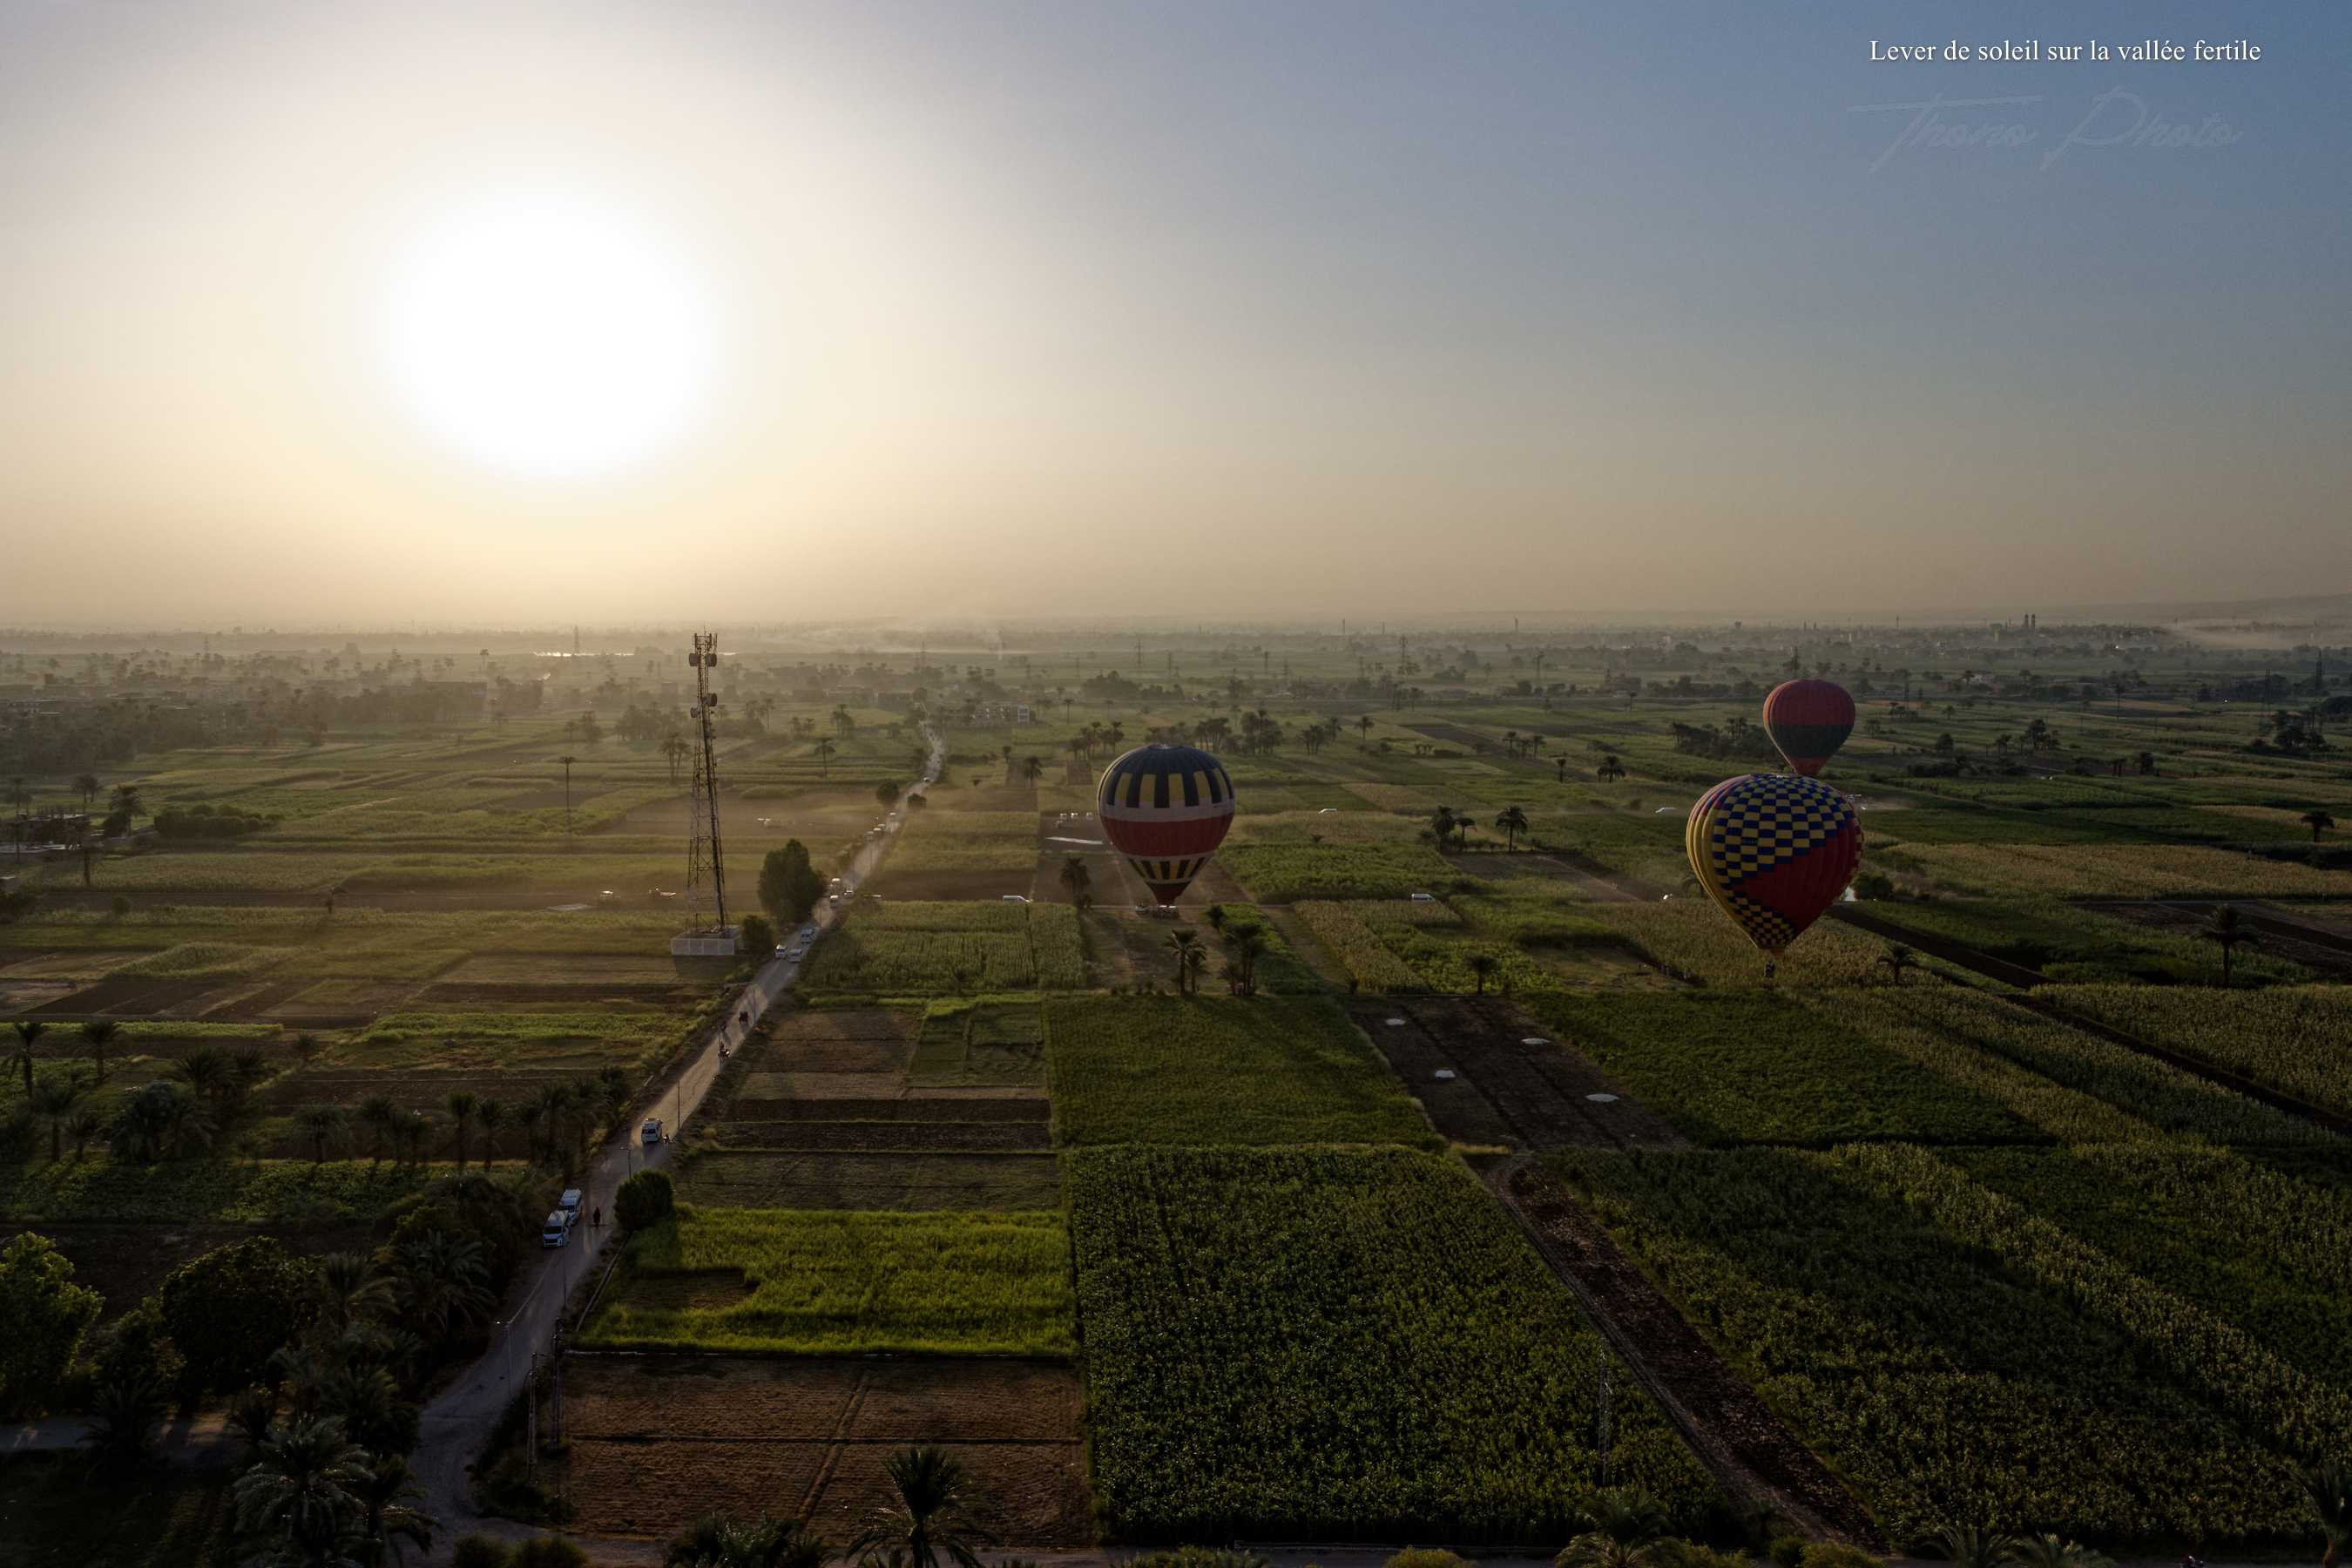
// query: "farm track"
[[1506, 1092], [1752, 1453], [1941, 947]]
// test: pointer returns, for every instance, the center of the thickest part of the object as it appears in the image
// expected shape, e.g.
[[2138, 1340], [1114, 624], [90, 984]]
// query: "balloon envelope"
[[1166, 808], [1807, 721], [1774, 850]]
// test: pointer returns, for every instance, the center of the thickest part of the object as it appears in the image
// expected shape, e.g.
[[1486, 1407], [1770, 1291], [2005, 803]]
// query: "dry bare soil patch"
[[657, 1440]]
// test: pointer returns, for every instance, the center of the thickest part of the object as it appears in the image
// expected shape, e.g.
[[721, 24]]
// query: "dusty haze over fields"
[[623, 313]]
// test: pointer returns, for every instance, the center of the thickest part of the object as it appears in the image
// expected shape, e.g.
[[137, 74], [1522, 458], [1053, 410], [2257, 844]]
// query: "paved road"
[[457, 1424]]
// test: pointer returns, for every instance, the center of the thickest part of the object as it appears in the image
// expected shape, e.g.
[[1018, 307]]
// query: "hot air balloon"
[[1808, 720], [1774, 850], [1166, 808]]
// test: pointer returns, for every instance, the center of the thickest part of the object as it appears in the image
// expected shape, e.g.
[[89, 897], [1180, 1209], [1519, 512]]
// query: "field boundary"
[[1743, 1438]]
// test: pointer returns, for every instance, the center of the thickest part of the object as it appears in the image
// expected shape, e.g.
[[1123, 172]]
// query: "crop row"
[[1759, 1066], [2262, 1241], [1216, 1070], [2294, 1038], [1332, 1345], [1947, 1382], [2072, 1084], [838, 1283]]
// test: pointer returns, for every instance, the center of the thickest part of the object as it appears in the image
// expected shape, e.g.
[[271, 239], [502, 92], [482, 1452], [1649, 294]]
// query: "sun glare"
[[548, 337]]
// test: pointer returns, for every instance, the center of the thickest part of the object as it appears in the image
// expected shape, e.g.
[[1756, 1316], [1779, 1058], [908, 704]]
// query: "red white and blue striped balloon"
[[1166, 808]]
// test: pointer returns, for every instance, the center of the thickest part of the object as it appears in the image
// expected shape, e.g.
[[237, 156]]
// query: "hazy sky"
[[1236, 309]]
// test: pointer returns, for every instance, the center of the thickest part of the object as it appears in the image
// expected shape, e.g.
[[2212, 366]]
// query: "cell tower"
[[706, 870]]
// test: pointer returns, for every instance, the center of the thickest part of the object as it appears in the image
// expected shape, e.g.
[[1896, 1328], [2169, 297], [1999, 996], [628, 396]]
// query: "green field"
[[1152, 1069], [819, 1282], [1288, 1344]]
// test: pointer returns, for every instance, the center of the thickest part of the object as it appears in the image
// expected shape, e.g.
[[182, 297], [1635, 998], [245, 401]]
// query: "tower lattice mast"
[[706, 868]]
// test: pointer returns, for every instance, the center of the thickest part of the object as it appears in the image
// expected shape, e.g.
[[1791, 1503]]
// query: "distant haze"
[[1094, 309]]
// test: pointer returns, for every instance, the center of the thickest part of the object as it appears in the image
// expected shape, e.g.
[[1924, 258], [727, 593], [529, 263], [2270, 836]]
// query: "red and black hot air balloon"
[[1166, 808], [1807, 721]]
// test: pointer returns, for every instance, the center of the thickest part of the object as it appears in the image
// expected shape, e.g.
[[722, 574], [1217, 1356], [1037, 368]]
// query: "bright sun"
[[546, 336]]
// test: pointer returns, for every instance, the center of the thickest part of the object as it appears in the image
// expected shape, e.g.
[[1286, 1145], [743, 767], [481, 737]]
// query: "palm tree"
[[492, 1115], [306, 1047], [444, 1283], [1244, 942], [349, 1290], [2329, 1484], [100, 1033], [1513, 821], [28, 1031], [2228, 931], [389, 1520], [936, 1515], [1623, 1527], [823, 753], [567, 759], [1898, 960], [302, 1489], [1967, 1546], [123, 1413], [1032, 768], [1482, 967], [1442, 823], [54, 1101], [206, 1072], [1610, 770], [462, 1107], [1078, 881], [86, 786], [323, 1125], [1192, 955], [379, 1115], [2318, 821], [82, 1126], [714, 1541]]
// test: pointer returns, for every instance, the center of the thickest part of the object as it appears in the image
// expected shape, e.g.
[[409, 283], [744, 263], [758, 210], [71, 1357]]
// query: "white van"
[[557, 1230], [569, 1202]]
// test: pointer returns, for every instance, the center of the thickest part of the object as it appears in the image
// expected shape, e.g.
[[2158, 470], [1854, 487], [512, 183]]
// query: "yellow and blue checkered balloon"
[[1774, 850]]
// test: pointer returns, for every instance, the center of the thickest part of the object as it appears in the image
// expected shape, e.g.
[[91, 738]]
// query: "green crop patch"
[[811, 1282], [2297, 1038], [1296, 1344], [1210, 1069], [1954, 1358], [1758, 1068]]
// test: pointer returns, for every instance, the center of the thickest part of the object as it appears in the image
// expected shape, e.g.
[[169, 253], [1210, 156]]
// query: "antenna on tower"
[[706, 867]]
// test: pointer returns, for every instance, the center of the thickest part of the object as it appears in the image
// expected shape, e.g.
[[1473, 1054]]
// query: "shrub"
[[1788, 1551], [759, 938], [547, 1551], [228, 1309], [1428, 1557], [480, 1552], [47, 1315], [1214, 1557], [1836, 1554], [1690, 1554], [645, 1199]]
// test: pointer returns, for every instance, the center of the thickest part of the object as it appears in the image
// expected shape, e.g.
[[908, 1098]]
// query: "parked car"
[[1424, 897], [651, 1133], [557, 1229], [569, 1202], [1014, 899]]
